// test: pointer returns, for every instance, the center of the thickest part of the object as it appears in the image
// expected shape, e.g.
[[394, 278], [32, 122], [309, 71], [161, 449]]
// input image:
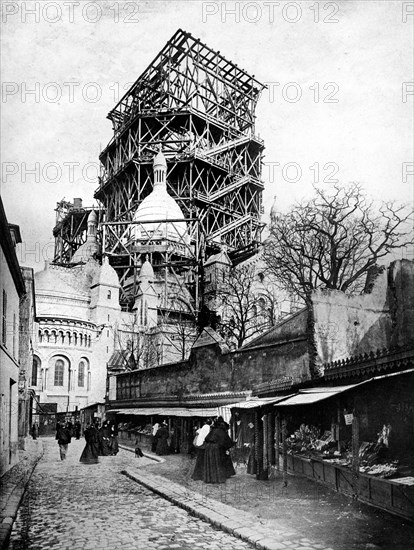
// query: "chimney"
[[77, 203]]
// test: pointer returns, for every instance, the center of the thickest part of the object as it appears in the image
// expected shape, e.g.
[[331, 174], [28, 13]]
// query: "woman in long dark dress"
[[162, 440], [91, 451], [217, 464], [200, 446], [105, 433]]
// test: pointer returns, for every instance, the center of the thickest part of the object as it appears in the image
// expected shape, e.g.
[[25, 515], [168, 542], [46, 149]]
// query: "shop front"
[[357, 439], [136, 425]]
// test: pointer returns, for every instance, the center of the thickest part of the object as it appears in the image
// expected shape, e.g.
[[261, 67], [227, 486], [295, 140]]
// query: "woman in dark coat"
[[105, 433], [91, 451], [162, 440], [217, 464]]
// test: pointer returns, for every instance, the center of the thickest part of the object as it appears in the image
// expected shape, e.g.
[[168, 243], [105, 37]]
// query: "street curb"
[[238, 523], [9, 513], [147, 455]]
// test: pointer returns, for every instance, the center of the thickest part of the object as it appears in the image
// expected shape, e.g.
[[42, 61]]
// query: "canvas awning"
[[313, 395], [258, 402], [309, 396], [177, 411]]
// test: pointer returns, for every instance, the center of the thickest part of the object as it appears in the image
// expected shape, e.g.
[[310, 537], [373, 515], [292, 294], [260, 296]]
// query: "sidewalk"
[[13, 485], [303, 515]]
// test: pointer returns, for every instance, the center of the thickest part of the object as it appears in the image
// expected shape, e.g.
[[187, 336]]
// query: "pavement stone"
[[70, 506], [13, 485]]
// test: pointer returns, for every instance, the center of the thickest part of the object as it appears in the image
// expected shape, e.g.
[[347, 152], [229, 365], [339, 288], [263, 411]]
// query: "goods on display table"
[[373, 457]]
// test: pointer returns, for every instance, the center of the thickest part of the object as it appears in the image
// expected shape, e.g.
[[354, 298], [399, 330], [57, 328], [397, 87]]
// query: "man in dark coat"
[[63, 437]]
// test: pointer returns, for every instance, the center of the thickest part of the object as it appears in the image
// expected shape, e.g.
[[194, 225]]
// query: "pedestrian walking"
[[63, 437], [162, 440], [91, 451], [154, 440], [199, 444], [218, 465], [114, 447], [77, 429], [35, 430], [105, 432]]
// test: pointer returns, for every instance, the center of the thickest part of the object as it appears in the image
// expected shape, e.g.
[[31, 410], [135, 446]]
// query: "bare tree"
[[180, 330], [246, 308], [135, 348], [333, 239]]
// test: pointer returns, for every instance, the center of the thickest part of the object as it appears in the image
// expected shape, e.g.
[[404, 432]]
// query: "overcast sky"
[[339, 97]]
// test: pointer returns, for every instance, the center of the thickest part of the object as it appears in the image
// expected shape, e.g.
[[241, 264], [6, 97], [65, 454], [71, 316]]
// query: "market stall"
[[358, 439]]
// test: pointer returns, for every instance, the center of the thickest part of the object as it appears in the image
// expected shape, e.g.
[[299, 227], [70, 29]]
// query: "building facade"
[[12, 290], [78, 314]]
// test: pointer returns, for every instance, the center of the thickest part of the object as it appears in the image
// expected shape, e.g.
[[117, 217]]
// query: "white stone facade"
[[78, 312]]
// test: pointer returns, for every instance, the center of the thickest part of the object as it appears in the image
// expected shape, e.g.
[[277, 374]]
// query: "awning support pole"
[[284, 448], [355, 453], [277, 440]]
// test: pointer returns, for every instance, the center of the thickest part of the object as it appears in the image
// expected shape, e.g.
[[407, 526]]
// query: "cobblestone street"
[[69, 505]]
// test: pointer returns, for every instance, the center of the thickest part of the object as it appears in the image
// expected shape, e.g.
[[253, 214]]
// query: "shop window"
[[59, 368]]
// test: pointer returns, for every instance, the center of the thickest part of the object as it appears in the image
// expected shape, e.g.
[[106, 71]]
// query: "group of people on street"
[[212, 444], [100, 440]]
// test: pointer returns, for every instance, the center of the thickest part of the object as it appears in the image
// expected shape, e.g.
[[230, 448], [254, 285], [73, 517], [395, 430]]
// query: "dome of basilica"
[[157, 208]]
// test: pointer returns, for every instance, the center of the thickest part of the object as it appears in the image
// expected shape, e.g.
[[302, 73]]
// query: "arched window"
[[59, 367], [35, 370], [109, 295], [81, 374]]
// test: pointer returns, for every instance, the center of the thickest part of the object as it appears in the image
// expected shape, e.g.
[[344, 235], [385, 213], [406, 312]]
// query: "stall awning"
[[181, 412], [259, 402], [313, 395]]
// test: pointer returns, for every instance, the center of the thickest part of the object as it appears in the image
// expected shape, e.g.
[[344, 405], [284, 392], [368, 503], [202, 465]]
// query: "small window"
[[59, 366], [4, 324], [109, 295], [35, 370], [81, 374], [14, 334]]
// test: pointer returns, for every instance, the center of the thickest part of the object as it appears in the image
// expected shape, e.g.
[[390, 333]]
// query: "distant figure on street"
[[91, 451], [218, 465], [162, 440], [63, 437], [113, 439], [105, 433], [77, 429], [35, 430], [154, 440], [69, 426], [199, 444]]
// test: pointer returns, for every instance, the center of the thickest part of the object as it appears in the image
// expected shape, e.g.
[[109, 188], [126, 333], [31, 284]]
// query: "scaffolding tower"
[[200, 108], [70, 230]]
